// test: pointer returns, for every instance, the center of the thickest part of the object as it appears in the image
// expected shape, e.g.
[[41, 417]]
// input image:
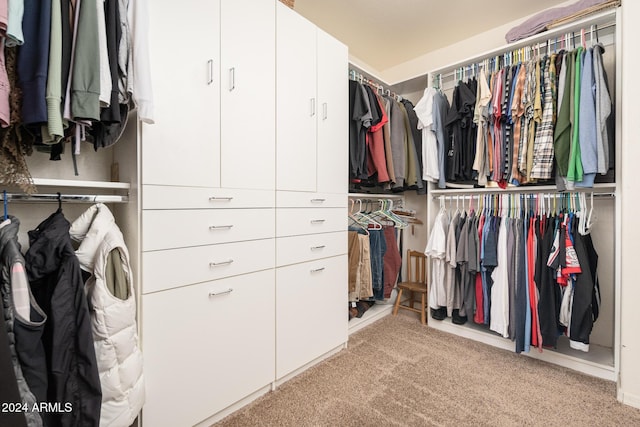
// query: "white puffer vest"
[[113, 320]]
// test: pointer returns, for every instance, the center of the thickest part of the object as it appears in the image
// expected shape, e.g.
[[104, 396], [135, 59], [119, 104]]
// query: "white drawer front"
[[295, 249], [296, 221], [300, 199], [178, 267], [200, 345], [302, 336], [183, 228], [169, 197]]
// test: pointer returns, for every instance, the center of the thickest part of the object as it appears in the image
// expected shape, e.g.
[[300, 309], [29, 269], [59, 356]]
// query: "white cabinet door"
[[303, 335], [296, 102], [204, 352], [333, 115], [183, 146], [247, 48]]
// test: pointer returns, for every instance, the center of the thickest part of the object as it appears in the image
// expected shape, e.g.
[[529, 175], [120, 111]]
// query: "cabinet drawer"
[[183, 228], [296, 221], [303, 335], [171, 197], [295, 249], [198, 342], [177, 267], [300, 199]]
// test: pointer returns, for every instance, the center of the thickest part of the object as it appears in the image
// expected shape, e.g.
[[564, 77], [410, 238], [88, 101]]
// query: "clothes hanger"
[[364, 219], [389, 211], [590, 220], [5, 202], [59, 202]]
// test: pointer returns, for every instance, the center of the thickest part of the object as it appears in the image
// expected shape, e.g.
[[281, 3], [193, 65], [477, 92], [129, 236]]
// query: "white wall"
[[473, 46], [629, 192]]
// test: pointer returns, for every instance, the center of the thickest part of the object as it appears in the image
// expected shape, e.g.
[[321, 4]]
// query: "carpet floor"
[[397, 372]]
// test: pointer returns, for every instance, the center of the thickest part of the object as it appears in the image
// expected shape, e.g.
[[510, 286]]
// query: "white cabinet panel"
[[178, 267], [304, 335], [184, 228], [183, 146], [172, 197], [301, 199], [204, 352], [296, 221], [296, 103], [248, 43], [295, 249], [333, 115]]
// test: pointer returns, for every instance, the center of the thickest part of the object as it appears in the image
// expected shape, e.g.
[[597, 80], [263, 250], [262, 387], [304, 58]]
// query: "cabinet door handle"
[[318, 200], [220, 227], [215, 294], [220, 199], [219, 263], [315, 248], [232, 78], [317, 270], [317, 221], [313, 107], [210, 66], [324, 111]]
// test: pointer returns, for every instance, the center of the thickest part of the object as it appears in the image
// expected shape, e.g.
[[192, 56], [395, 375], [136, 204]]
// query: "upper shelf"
[[525, 189], [45, 182]]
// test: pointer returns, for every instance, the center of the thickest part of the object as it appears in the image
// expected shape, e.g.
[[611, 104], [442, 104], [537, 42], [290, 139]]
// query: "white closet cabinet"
[[311, 108], [311, 196], [297, 102], [183, 146], [333, 115], [208, 210], [215, 116], [241, 285], [310, 311], [247, 92], [206, 346]]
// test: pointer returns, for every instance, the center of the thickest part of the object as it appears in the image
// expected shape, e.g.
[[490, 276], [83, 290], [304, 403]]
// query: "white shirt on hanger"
[[436, 250], [424, 111]]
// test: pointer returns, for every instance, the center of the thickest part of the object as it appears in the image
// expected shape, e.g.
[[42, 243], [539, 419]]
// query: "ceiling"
[[385, 33]]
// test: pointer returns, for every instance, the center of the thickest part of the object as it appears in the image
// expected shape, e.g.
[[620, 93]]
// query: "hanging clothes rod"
[[75, 198], [454, 197], [359, 77], [556, 42]]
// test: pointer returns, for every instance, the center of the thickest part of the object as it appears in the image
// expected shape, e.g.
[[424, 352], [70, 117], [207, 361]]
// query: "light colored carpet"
[[397, 372]]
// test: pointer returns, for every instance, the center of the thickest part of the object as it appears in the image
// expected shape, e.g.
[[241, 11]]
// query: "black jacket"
[[56, 282], [13, 386]]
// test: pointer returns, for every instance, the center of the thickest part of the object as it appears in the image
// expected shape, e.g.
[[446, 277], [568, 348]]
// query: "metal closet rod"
[[560, 195], [555, 41], [75, 198]]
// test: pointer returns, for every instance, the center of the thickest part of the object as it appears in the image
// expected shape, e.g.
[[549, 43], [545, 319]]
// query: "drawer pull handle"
[[220, 199], [317, 221], [210, 64], [317, 270], [218, 264], [215, 294], [315, 248], [232, 79], [220, 227], [318, 200]]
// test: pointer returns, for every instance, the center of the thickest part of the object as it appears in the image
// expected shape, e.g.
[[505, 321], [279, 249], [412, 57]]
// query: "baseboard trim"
[[629, 399], [234, 407], [375, 313], [303, 368]]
